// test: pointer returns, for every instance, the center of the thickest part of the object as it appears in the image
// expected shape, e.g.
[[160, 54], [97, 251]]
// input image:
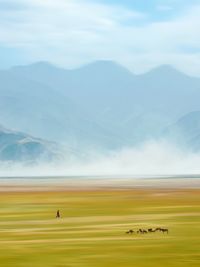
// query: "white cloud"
[[58, 21], [74, 32]]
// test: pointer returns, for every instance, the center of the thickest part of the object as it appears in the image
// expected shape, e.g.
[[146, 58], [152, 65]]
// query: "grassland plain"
[[91, 231]]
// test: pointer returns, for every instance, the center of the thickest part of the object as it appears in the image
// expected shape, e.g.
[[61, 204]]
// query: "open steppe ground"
[[91, 231]]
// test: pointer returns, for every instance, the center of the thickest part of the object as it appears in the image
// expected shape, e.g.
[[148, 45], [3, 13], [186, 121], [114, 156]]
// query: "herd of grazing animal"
[[150, 230]]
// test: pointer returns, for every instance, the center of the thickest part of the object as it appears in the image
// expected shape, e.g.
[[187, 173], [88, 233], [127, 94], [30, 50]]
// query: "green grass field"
[[91, 232]]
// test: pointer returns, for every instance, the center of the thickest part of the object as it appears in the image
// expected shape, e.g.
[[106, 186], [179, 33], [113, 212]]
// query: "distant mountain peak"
[[42, 64], [166, 70], [108, 63], [105, 66]]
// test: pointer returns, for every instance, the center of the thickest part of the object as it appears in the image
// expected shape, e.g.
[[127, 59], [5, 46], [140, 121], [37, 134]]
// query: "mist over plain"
[[150, 159]]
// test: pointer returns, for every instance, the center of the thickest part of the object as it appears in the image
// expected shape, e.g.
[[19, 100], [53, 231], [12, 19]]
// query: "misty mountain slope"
[[103, 88], [169, 91], [186, 131], [96, 86], [31, 107], [116, 98], [42, 72], [16, 146], [103, 72], [112, 105], [110, 89], [40, 110]]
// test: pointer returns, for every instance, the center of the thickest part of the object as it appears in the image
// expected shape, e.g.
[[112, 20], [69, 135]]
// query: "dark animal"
[[164, 230], [142, 231], [158, 229], [130, 232], [151, 230]]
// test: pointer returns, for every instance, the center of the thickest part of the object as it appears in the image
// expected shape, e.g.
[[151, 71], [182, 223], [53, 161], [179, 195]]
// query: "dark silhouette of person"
[[58, 214]]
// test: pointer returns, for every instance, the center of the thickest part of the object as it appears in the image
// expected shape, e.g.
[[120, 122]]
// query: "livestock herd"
[[150, 230]]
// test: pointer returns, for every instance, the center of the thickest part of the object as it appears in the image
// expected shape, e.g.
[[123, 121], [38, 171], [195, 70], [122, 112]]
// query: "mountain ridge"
[[17, 147]]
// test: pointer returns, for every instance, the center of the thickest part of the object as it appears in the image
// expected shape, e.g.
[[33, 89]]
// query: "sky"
[[139, 34]]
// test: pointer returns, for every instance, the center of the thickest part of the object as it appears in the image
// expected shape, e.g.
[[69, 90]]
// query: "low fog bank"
[[151, 158]]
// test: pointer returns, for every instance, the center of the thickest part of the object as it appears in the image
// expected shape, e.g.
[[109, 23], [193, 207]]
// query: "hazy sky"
[[139, 34]]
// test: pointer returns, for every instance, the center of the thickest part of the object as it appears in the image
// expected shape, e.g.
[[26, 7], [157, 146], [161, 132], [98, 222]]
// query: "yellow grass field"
[[91, 232]]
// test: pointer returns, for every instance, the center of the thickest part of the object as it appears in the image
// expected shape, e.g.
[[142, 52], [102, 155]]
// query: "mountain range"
[[101, 105]]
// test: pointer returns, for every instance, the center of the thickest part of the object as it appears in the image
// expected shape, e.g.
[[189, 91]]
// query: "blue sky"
[[140, 34]]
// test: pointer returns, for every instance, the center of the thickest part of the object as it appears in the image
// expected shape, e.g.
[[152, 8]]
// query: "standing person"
[[58, 214]]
